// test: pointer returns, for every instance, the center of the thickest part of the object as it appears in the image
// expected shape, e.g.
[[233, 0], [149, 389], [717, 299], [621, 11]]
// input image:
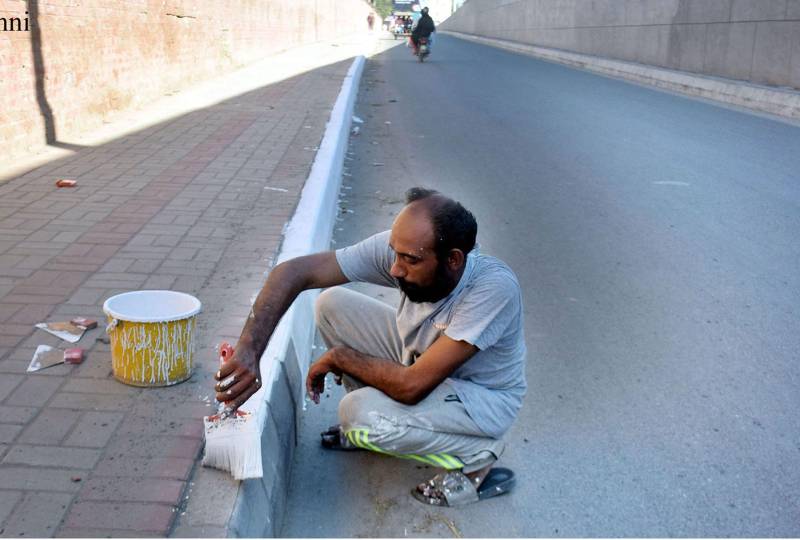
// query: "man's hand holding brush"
[[238, 378]]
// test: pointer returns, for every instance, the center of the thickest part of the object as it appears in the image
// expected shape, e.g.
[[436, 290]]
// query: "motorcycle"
[[424, 49]]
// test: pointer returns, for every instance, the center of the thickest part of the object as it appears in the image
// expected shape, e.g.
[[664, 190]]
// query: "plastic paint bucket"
[[152, 336]]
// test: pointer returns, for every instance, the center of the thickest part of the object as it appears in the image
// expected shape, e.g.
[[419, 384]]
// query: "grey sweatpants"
[[437, 430]]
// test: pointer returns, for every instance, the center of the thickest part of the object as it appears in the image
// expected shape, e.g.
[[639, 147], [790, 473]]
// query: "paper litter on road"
[[357, 120], [276, 189], [64, 330]]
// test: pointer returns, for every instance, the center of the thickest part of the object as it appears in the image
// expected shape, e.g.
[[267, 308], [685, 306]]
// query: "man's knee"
[[359, 409], [326, 304]]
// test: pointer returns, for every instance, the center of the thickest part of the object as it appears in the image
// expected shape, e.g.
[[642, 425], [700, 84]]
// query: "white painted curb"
[[778, 101], [309, 231]]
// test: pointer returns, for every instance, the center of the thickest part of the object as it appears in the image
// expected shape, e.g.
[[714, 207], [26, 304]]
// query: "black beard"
[[441, 287]]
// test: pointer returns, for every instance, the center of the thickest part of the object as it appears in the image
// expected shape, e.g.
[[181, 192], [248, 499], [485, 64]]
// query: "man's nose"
[[397, 271]]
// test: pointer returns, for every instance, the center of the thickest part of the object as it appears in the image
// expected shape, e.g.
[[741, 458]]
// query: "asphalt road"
[[656, 240]]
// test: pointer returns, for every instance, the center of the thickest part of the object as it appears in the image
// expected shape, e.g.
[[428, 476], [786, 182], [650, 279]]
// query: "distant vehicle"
[[423, 50], [402, 24]]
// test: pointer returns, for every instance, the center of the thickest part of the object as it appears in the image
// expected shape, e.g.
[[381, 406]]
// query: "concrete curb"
[[781, 102], [259, 506]]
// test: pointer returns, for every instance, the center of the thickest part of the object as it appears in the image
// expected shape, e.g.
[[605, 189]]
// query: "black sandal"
[[333, 439]]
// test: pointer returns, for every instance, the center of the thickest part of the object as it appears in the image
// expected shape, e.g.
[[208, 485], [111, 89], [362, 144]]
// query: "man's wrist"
[[246, 351], [341, 356]]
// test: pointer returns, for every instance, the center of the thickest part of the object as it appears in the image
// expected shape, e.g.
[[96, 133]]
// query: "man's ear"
[[455, 259]]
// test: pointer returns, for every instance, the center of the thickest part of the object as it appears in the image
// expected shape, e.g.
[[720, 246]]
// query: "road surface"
[[656, 241]]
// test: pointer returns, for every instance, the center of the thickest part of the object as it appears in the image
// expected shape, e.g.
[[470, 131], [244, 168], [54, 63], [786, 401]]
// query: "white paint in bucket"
[[152, 306]]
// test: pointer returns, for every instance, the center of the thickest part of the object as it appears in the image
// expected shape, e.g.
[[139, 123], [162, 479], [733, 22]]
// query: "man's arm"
[[406, 384], [284, 283]]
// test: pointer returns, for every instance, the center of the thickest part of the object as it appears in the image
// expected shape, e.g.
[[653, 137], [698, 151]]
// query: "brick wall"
[[97, 56]]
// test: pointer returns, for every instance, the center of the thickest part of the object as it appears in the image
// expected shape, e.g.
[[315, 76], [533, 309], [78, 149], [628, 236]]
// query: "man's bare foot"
[[477, 477]]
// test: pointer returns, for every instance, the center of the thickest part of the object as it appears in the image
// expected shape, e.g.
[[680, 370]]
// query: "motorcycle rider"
[[424, 28]]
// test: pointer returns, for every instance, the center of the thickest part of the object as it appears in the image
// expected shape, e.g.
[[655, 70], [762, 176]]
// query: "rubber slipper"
[[333, 439], [333, 430], [454, 488], [499, 481]]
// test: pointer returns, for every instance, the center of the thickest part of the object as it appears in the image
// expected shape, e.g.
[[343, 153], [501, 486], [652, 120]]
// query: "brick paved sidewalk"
[[194, 204]]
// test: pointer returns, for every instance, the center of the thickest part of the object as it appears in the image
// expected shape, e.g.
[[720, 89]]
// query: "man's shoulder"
[[494, 274]]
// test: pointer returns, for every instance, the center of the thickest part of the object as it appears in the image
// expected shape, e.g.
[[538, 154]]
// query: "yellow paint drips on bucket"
[[152, 336]]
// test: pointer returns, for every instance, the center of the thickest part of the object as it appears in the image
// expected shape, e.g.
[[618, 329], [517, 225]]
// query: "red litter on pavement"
[[63, 182], [83, 322], [73, 356]]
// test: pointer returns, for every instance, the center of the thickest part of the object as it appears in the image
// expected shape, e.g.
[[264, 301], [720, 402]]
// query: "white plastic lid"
[[152, 306]]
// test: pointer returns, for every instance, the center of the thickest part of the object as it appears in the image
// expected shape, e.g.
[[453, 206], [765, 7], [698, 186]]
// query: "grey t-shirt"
[[485, 309]]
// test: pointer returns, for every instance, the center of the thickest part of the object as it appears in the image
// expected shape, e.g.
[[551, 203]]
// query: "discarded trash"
[[276, 189], [63, 182], [83, 322], [392, 101], [64, 330], [103, 339], [376, 164], [73, 356], [356, 130], [357, 120], [45, 357], [387, 123], [76, 478]]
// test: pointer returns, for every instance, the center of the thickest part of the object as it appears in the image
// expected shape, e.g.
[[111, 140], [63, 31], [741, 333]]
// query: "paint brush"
[[233, 440]]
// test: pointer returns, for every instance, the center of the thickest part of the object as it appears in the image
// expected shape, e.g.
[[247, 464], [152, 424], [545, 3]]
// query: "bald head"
[[431, 238], [451, 225]]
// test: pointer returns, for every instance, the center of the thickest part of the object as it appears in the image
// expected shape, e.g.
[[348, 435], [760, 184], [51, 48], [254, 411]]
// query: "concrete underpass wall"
[[65, 64], [751, 40]]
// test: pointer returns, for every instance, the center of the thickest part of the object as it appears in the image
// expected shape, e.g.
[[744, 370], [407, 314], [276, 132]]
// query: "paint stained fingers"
[[239, 391], [225, 383], [315, 385], [226, 369]]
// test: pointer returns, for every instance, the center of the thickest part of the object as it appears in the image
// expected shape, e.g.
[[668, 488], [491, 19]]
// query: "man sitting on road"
[[423, 29], [440, 379]]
